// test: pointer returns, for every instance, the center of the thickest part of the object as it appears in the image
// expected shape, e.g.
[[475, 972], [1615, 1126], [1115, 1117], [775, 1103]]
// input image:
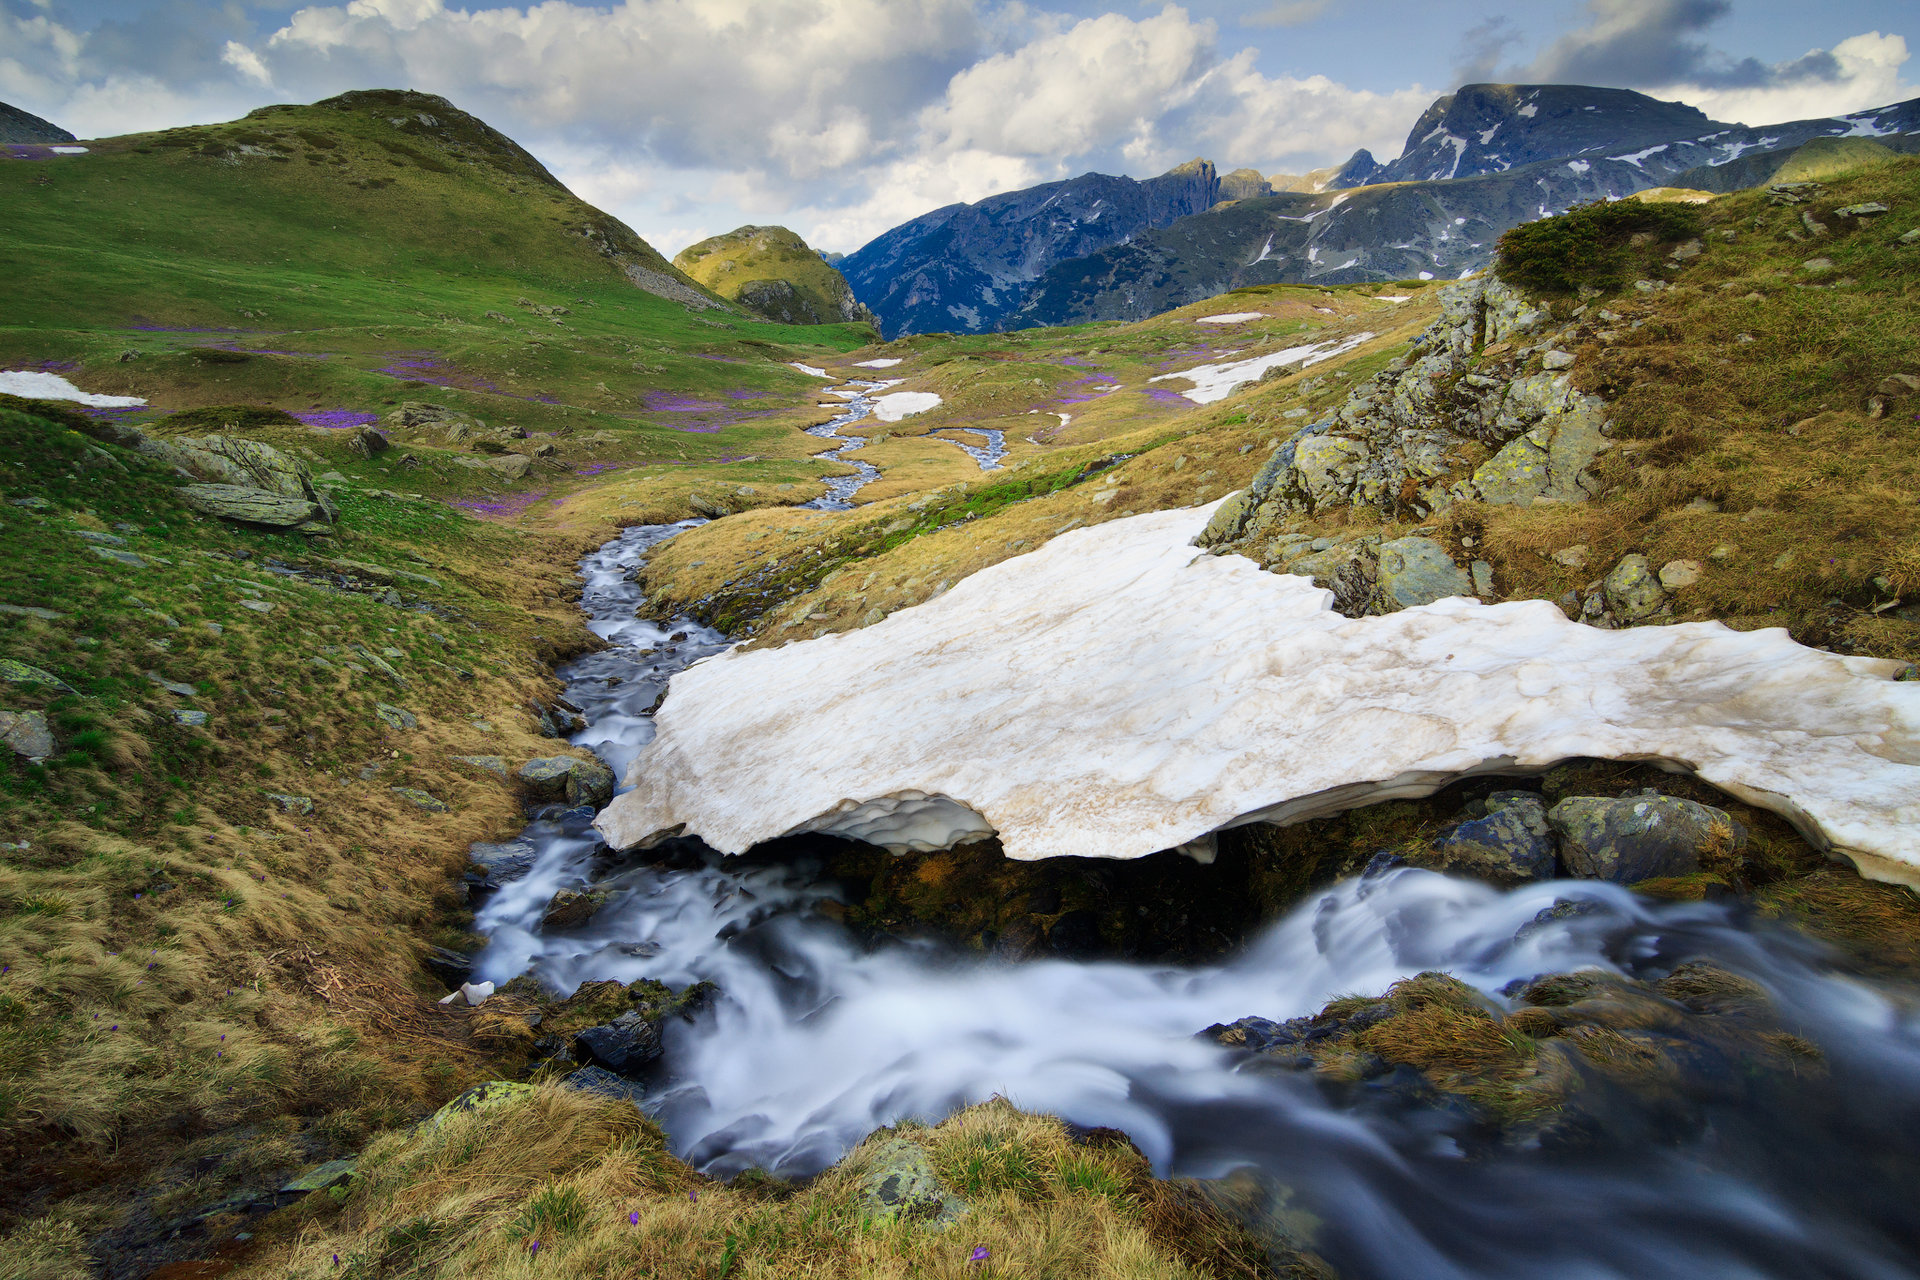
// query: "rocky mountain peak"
[[23, 126]]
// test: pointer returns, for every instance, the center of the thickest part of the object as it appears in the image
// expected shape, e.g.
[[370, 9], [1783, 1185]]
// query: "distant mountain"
[[1432, 229], [21, 126], [772, 272], [967, 267], [1490, 128]]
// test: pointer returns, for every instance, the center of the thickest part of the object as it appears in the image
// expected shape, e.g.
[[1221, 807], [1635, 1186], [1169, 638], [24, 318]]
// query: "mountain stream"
[[818, 1038]]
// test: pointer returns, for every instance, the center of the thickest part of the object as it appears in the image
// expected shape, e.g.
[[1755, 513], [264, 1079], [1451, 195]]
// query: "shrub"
[[228, 417], [1592, 245]]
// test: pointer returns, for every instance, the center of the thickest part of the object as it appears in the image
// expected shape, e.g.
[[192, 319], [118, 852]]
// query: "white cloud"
[[246, 62], [1867, 73]]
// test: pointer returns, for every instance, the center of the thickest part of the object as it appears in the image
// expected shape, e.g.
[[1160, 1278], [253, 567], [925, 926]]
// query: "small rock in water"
[[571, 909], [1511, 845], [624, 1045]]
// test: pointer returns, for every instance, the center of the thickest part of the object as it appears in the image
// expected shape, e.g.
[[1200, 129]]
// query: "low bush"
[[1592, 245]]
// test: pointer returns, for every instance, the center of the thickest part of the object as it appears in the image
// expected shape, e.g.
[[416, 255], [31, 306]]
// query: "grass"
[[593, 1183]]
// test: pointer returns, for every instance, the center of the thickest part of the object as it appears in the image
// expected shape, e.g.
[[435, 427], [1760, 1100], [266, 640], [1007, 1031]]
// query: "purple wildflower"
[[693, 1197], [633, 1219], [533, 1250], [980, 1254]]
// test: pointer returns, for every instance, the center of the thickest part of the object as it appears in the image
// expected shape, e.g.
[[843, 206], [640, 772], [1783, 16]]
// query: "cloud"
[[1481, 49], [246, 62], [1632, 42], [1860, 72], [1288, 13]]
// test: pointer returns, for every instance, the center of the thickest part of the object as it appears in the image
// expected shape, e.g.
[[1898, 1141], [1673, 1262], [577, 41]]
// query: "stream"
[[817, 1038], [840, 489]]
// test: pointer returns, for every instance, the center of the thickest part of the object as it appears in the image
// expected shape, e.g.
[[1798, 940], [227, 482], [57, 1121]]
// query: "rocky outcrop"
[[1472, 412], [247, 481], [22, 126]]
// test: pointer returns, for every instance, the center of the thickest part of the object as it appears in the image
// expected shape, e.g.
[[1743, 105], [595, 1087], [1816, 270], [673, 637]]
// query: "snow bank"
[[1213, 382], [51, 386], [900, 404], [1116, 692], [1231, 317], [809, 370], [885, 362]]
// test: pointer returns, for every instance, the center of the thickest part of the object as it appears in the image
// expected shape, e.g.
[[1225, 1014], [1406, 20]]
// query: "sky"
[[842, 118]]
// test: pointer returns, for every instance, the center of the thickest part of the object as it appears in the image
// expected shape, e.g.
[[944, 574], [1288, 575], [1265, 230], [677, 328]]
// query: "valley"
[[523, 756]]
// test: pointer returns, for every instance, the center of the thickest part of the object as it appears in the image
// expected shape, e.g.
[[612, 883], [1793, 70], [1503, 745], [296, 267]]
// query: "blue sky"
[[841, 118]]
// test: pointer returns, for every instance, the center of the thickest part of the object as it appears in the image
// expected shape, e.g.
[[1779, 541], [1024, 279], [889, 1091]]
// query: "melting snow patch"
[[809, 370], [892, 408], [1579, 166], [51, 386], [885, 362], [1392, 297], [1213, 382], [1028, 702], [68, 151], [1231, 317]]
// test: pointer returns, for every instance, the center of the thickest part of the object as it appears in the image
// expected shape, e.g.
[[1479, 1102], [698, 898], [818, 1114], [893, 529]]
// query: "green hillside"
[[339, 260], [772, 272]]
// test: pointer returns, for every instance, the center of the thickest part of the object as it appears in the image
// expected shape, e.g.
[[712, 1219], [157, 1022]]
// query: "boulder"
[[550, 779], [499, 863], [622, 1046], [1632, 591], [1417, 571], [514, 466], [1676, 575], [246, 505], [26, 734], [603, 1082], [367, 442], [900, 1184], [1512, 844], [1640, 837], [241, 464], [395, 717]]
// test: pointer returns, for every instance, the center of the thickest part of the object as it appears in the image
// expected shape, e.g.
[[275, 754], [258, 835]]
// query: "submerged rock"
[[570, 909]]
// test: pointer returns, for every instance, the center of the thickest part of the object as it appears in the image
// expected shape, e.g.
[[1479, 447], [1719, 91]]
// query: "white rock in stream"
[[1116, 692]]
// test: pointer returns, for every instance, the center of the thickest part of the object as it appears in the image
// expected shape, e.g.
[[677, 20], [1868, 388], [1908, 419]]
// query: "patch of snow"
[[1213, 382], [901, 404], [1588, 107], [1231, 317], [68, 151], [809, 370], [51, 386], [1863, 126], [1638, 156], [1426, 275], [885, 362], [1486, 135], [1530, 111], [1028, 702], [1266, 251], [1459, 222], [1579, 166], [1392, 297]]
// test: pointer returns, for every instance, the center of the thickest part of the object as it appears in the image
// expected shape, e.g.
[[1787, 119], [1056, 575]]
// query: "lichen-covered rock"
[[419, 799], [1633, 592], [242, 464], [900, 1183], [576, 780], [1417, 571], [1641, 837], [395, 717], [1512, 844], [571, 909]]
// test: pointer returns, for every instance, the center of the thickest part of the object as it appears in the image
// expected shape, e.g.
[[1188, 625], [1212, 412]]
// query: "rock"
[[1557, 360], [1678, 574], [31, 611], [622, 1046], [101, 539], [291, 804], [257, 606], [448, 965], [1640, 837], [253, 506], [1817, 266], [192, 719], [1482, 574], [1687, 251], [16, 672], [571, 909], [1574, 557], [127, 558], [1871, 209], [1226, 521], [395, 717], [1632, 592], [1549, 461], [26, 734], [481, 1097], [230, 463], [900, 1184], [1911, 237], [173, 686], [514, 466], [545, 449], [1511, 845], [367, 442], [550, 779], [603, 1082], [489, 764], [1897, 384], [319, 1178], [501, 862], [419, 798], [1416, 571]]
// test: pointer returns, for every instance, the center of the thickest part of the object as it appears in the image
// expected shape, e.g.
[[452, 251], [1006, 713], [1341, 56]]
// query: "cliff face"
[[967, 268], [21, 126], [772, 272]]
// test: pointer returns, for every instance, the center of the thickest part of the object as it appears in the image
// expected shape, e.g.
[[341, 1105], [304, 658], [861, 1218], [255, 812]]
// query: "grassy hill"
[[772, 272]]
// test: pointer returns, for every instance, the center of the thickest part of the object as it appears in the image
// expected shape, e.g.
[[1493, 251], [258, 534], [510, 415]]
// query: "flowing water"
[[817, 1039], [840, 489]]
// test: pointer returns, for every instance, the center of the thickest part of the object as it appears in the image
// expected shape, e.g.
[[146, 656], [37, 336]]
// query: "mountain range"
[[1478, 162]]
